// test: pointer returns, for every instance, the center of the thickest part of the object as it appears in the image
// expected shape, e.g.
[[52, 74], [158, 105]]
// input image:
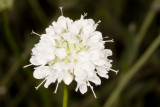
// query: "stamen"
[[77, 87], [114, 70], [109, 40], [27, 65], [40, 84], [56, 88], [82, 16], [105, 37], [98, 22], [92, 89], [85, 14], [61, 10], [35, 33]]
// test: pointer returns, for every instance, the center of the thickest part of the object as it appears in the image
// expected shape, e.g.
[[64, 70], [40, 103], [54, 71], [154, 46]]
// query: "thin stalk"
[[65, 96], [124, 80]]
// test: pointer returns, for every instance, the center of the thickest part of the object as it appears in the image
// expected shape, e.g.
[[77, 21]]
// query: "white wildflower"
[[71, 50]]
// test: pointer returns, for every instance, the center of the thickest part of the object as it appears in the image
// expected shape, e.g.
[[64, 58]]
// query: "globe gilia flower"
[[71, 50]]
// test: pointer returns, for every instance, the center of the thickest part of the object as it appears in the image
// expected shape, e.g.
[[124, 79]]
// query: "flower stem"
[[65, 96], [126, 77]]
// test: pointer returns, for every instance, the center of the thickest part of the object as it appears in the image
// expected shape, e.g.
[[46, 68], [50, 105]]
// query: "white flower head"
[[71, 50]]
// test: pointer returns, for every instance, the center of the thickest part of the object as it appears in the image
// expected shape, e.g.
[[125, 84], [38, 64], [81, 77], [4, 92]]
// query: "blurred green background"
[[133, 24]]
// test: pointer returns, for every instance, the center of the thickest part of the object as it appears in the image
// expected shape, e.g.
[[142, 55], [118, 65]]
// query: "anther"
[[40, 84], [27, 65], [61, 10], [56, 88], [35, 33]]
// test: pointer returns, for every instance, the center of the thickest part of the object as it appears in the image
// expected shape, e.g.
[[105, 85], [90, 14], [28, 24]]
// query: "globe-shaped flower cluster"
[[71, 50]]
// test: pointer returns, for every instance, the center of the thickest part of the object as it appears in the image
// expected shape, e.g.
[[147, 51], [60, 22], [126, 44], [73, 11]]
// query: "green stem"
[[126, 77], [65, 96]]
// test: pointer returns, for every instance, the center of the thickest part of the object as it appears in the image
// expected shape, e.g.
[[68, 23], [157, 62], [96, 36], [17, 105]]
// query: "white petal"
[[96, 37], [42, 72], [108, 65], [75, 28], [60, 76], [38, 59], [99, 62], [62, 21], [107, 52], [102, 71], [83, 57], [104, 75], [94, 54], [83, 88], [61, 53], [80, 79], [95, 79], [87, 26], [62, 24], [34, 61], [68, 78], [50, 79], [87, 67], [50, 30], [58, 67]]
